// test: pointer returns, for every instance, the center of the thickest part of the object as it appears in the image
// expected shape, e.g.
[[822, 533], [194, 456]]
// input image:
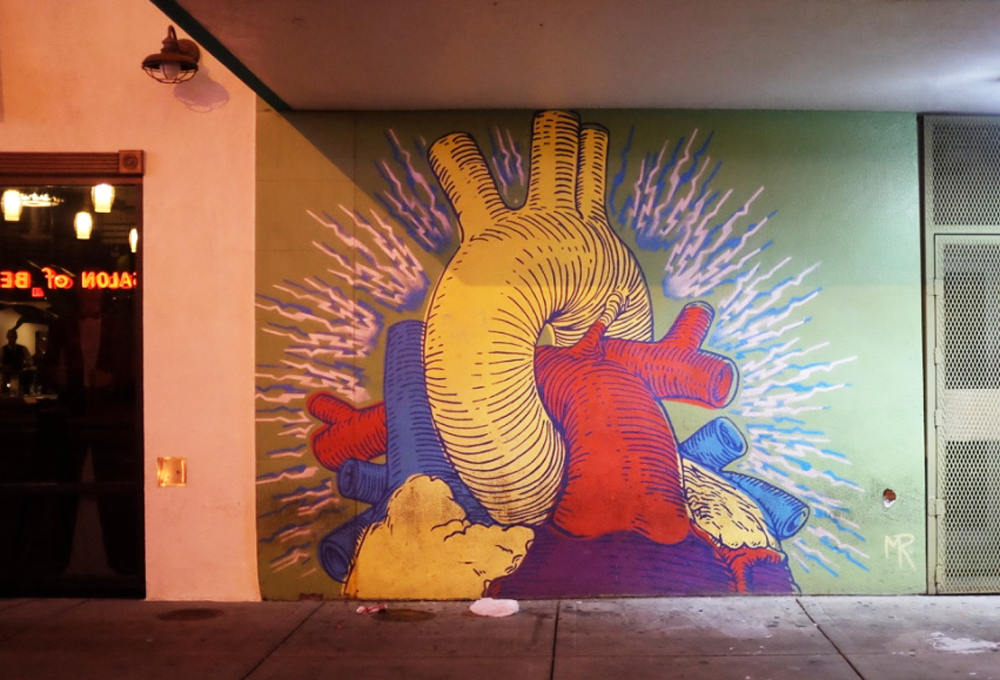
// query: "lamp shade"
[[103, 196], [83, 223], [176, 62], [11, 205]]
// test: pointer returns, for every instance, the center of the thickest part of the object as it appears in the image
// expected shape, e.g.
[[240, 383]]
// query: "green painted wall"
[[817, 301]]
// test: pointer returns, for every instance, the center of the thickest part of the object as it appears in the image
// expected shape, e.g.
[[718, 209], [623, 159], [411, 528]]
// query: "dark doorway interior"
[[71, 501]]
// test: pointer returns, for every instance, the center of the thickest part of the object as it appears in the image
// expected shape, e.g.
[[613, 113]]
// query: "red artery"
[[347, 432], [623, 471], [676, 368]]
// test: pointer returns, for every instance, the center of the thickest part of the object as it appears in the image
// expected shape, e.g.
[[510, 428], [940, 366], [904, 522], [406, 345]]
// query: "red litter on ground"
[[372, 609]]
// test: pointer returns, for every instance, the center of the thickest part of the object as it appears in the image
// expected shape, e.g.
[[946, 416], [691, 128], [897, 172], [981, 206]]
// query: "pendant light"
[[83, 223], [11, 205], [103, 196]]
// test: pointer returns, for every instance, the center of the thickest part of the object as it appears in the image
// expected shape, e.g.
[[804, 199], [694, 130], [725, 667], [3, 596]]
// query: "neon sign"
[[15, 279], [90, 280], [108, 280]]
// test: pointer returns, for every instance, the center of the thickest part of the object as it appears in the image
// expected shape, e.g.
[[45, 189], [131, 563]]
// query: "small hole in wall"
[[888, 498]]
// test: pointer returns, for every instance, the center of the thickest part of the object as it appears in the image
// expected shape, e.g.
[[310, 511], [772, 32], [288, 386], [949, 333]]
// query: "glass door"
[[71, 505]]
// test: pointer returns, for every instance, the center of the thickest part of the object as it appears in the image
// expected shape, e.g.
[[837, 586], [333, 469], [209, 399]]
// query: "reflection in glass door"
[[71, 502]]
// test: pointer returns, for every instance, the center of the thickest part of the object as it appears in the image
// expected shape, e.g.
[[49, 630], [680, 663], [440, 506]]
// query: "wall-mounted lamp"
[[176, 62], [11, 205], [83, 223], [103, 196], [133, 239]]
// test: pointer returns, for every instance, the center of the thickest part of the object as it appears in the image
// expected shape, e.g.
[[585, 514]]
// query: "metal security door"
[[965, 474]]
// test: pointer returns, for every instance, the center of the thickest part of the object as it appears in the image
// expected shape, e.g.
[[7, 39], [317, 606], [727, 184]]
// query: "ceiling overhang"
[[901, 55]]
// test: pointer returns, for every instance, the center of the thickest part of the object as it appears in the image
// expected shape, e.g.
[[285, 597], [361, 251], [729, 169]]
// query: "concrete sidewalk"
[[723, 638]]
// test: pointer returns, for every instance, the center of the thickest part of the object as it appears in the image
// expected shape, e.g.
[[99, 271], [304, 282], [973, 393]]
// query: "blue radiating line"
[[619, 180], [821, 513], [783, 430], [283, 387], [283, 304], [274, 536], [278, 409], [296, 469], [291, 550], [837, 478], [846, 553], [294, 449], [429, 232], [301, 490], [803, 465]]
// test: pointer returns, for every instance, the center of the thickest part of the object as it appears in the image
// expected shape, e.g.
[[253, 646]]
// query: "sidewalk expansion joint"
[[829, 639]]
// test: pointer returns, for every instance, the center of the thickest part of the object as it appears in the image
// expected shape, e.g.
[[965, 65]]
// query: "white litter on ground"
[[487, 606], [962, 645]]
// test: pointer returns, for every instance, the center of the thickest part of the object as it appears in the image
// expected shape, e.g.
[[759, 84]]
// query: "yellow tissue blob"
[[426, 549]]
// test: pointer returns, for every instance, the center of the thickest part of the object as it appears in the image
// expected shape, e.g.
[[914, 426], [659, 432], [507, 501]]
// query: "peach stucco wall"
[[70, 81]]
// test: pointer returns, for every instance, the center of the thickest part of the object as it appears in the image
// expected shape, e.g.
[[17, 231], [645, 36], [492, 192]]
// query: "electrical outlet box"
[[171, 471]]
